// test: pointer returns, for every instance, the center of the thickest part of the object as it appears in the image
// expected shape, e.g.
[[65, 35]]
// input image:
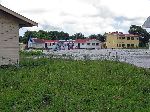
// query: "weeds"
[[43, 85]]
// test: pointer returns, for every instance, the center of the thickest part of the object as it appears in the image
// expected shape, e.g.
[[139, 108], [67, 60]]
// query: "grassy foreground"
[[74, 86]]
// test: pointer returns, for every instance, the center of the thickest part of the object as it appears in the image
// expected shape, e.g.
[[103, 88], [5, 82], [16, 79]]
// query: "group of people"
[[64, 46]]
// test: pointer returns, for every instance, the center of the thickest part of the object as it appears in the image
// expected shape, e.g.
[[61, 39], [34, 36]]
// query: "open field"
[[55, 85]]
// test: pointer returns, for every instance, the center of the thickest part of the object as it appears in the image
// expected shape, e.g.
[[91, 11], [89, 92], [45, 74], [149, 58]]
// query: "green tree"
[[63, 36], [30, 33], [101, 38], [54, 35], [98, 37], [144, 35], [93, 36], [42, 34], [21, 39], [78, 36], [27, 35]]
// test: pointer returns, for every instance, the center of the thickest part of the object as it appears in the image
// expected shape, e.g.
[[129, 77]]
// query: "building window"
[[119, 45], [119, 37], [132, 45], [123, 45], [128, 38], [97, 44], [49, 44], [93, 44], [88, 43], [128, 45], [137, 38], [132, 38], [123, 37], [82, 43], [53, 43]]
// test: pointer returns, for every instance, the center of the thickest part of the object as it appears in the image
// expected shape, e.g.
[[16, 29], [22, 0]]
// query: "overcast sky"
[[86, 16]]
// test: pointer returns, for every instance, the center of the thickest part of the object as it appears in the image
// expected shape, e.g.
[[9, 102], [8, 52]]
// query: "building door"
[[45, 45], [79, 45]]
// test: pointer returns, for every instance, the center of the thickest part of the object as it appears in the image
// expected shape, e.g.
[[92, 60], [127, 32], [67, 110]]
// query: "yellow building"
[[120, 40]]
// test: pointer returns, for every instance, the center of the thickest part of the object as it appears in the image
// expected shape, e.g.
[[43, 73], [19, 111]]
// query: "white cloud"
[[128, 8], [87, 16]]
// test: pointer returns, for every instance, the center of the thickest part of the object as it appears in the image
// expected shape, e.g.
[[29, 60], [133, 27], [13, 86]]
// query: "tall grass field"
[[54, 85]]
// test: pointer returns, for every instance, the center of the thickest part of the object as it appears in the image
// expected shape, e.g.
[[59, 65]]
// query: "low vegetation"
[[24, 54], [54, 85]]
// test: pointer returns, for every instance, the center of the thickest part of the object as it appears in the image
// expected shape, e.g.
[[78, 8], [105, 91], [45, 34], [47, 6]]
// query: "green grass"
[[24, 54], [74, 86]]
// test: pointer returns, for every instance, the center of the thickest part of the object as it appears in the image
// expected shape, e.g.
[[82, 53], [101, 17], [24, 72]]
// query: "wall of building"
[[124, 41], [51, 45], [9, 39], [111, 41], [91, 44], [38, 45], [116, 41]]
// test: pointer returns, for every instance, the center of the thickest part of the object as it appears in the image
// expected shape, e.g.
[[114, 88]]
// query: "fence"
[[141, 59], [85, 57]]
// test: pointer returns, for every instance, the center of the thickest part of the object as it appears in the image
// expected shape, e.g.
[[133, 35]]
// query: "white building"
[[51, 44], [36, 43], [59, 44], [65, 44], [87, 44]]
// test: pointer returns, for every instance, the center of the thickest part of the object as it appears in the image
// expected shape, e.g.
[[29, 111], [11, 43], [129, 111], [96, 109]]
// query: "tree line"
[[56, 35], [60, 35]]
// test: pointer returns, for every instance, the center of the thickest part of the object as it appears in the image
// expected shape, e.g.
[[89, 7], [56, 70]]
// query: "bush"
[[31, 53]]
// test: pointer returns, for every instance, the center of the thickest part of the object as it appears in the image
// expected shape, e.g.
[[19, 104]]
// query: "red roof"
[[121, 34], [83, 40], [51, 41], [36, 40], [116, 32], [131, 35]]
